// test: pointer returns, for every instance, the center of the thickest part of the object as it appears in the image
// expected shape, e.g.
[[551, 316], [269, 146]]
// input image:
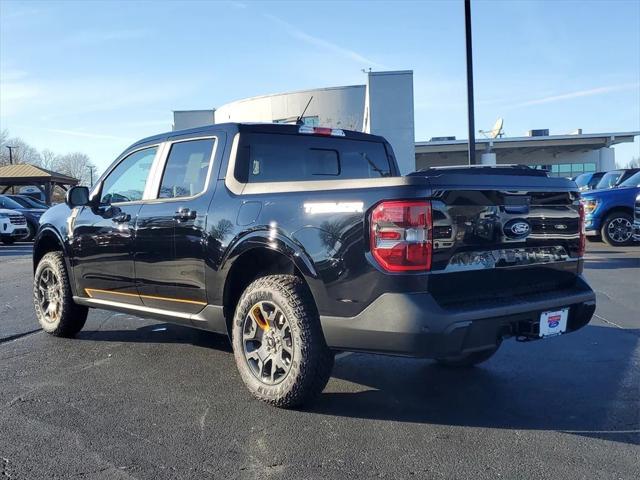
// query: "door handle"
[[121, 217], [185, 214]]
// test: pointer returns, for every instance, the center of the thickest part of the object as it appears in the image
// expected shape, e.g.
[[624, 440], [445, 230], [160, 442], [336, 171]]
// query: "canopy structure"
[[26, 174]]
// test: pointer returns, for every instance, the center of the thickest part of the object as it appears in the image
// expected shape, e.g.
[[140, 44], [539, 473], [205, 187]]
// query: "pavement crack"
[[613, 324]]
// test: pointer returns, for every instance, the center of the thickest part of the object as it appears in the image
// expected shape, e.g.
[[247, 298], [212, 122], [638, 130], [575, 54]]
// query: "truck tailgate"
[[503, 236]]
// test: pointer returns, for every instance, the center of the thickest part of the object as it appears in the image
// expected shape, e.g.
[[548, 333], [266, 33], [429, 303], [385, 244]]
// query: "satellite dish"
[[497, 130]]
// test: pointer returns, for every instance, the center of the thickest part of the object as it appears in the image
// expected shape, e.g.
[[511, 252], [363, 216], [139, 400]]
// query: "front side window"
[[632, 181], [127, 181], [185, 172], [609, 179]]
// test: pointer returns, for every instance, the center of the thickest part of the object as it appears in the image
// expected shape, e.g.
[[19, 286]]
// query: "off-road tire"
[[604, 230], [468, 360], [312, 360], [72, 317]]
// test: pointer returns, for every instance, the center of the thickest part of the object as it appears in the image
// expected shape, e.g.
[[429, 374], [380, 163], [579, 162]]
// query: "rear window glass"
[[281, 158]]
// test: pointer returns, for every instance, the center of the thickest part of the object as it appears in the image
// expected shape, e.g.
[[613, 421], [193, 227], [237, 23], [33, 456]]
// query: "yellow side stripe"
[[151, 297]]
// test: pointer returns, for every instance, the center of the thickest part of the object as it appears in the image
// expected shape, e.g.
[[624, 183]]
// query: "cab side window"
[[126, 182], [187, 167]]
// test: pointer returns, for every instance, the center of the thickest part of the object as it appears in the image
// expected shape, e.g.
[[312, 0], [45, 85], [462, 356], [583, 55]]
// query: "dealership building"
[[384, 106]]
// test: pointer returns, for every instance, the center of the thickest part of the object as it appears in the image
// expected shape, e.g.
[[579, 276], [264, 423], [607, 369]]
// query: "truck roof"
[[233, 127]]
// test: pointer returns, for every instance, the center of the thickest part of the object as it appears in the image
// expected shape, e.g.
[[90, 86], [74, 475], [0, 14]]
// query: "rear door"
[[169, 258]]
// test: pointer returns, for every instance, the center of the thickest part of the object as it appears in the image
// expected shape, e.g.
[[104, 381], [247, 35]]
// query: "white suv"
[[13, 226]]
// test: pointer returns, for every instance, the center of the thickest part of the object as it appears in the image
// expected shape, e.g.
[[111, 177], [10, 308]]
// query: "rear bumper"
[[415, 325]]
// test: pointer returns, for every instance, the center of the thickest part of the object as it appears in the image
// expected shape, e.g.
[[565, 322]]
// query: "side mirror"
[[77, 197]]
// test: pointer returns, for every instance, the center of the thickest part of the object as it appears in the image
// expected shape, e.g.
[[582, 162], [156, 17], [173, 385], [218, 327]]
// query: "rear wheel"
[[53, 300], [278, 343], [468, 359], [617, 229]]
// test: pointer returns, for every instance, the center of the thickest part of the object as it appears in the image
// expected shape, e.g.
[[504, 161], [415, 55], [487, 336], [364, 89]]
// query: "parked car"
[[31, 214], [609, 212], [28, 202], [589, 180], [614, 178], [297, 241], [636, 219], [13, 226]]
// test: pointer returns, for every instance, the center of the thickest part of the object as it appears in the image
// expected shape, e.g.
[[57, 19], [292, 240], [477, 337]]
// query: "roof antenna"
[[299, 120]]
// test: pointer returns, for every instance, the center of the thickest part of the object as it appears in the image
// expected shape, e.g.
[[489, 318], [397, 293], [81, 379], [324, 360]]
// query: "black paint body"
[[151, 256]]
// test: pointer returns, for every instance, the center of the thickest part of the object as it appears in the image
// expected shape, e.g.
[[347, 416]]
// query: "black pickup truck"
[[298, 242]]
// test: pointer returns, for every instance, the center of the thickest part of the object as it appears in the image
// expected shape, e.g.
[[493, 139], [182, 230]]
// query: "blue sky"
[[96, 76]]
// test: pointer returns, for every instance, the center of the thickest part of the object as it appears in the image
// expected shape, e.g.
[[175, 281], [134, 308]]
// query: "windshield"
[[27, 202], [583, 180], [33, 202], [609, 179], [6, 202], [632, 181]]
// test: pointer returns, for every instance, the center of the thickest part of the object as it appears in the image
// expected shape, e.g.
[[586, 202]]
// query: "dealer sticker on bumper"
[[554, 322]]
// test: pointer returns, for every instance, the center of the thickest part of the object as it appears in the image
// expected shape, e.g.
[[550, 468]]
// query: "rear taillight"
[[401, 235], [583, 232]]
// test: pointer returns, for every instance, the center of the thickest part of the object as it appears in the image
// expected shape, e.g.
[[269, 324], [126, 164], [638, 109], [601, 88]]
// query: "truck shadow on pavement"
[[160, 333], [586, 383]]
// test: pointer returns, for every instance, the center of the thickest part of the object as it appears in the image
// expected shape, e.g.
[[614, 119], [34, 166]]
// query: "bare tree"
[[21, 151], [76, 165], [48, 159]]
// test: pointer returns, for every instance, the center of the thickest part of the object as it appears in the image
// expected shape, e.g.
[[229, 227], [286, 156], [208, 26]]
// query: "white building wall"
[[184, 119], [389, 112], [339, 107]]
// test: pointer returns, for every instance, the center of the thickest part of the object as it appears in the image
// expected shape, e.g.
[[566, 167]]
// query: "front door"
[[103, 236], [169, 245]]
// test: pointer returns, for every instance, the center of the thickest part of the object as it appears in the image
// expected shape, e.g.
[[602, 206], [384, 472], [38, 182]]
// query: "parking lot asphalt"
[[134, 398]]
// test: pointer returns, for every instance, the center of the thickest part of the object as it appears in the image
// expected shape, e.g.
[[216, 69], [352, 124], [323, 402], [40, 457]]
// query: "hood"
[[608, 192], [6, 211]]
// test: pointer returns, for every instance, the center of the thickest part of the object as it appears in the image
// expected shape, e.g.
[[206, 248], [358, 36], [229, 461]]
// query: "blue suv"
[[609, 212]]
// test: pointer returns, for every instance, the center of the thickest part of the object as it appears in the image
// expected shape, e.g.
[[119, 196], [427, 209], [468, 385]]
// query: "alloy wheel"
[[49, 295], [267, 342], [620, 230]]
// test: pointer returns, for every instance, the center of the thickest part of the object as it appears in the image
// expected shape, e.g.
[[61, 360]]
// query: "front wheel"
[[53, 300], [278, 342], [617, 229]]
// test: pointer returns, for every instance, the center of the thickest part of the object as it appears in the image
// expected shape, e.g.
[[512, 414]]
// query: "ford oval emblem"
[[517, 228]]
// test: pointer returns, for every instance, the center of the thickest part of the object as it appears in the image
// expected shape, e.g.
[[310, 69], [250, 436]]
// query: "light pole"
[[470, 112], [91, 174], [11, 154]]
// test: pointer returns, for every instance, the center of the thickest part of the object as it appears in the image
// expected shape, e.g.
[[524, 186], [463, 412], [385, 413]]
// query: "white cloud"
[[322, 43], [580, 93]]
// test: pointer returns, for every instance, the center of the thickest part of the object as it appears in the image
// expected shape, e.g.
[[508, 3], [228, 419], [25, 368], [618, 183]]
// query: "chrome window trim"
[[98, 186], [155, 181], [239, 188]]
